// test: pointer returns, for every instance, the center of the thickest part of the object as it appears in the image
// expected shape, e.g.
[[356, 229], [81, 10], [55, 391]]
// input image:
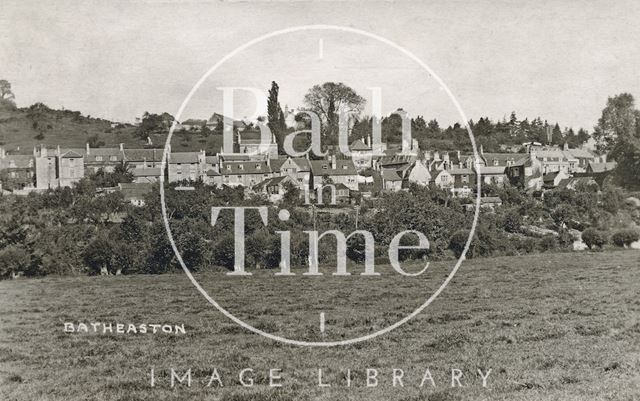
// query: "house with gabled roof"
[[298, 168], [59, 167], [391, 180], [103, 158], [186, 166], [246, 173], [144, 158], [274, 188], [464, 180], [334, 170]]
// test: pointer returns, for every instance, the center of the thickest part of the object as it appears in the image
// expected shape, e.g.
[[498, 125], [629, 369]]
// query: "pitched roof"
[[245, 167], [183, 157], [602, 167], [301, 162], [502, 158], [138, 155], [146, 172], [70, 155], [358, 145], [491, 170], [324, 167], [135, 190], [390, 175], [461, 171], [16, 161], [581, 153]]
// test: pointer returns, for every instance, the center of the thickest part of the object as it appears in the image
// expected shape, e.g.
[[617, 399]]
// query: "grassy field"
[[550, 327]]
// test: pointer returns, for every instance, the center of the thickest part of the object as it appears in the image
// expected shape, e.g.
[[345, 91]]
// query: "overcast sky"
[[557, 59]]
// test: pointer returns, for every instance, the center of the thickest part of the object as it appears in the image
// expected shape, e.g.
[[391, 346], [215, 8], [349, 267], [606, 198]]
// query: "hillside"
[[22, 129]]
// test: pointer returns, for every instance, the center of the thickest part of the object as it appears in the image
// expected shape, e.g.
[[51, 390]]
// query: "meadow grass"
[[550, 327]]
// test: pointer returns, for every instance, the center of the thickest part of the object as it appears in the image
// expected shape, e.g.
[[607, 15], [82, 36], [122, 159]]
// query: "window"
[[344, 167], [324, 167], [98, 158], [241, 167], [113, 158], [258, 167], [496, 162], [465, 179]]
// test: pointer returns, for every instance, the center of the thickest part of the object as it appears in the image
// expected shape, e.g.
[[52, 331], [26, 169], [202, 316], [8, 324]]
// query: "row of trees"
[[83, 230]]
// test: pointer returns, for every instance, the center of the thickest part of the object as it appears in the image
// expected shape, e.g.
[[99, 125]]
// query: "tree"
[[275, 116], [625, 238], [14, 259], [7, 98], [594, 238], [329, 100], [619, 121], [98, 255], [618, 132]]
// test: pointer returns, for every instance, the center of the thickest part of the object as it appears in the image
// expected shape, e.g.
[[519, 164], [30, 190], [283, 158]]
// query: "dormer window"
[[114, 158], [229, 167], [344, 167], [241, 167], [98, 158], [496, 162], [325, 167], [258, 167]]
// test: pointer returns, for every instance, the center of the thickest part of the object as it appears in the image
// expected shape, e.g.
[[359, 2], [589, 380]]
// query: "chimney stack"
[[2, 152], [88, 149], [333, 162], [122, 147]]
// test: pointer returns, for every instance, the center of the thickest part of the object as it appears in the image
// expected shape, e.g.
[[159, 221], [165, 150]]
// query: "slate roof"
[[146, 172], [502, 158], [390, 175], [138, 155], [70, 155], [16, 161], [246, 167], [323, 167], [183, 157], [602, 167], [135, 190]]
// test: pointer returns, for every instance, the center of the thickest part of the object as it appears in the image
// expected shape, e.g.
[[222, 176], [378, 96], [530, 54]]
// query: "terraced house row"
[[261, 169]]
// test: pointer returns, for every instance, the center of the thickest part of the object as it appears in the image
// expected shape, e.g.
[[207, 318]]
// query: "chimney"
[[333, 162], [122, 147], [603, 158], [58, 150], [149, 141], [481, 149], [566, 146], [368, 139], [238, 138], [2, 152], [458, 154], [144, 163], [88, 149]]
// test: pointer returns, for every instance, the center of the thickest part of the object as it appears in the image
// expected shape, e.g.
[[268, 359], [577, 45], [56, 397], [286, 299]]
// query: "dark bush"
[[625, 237], [594, 238], [547, 243]]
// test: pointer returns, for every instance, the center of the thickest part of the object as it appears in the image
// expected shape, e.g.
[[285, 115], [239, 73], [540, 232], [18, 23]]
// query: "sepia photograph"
[[298, 200]]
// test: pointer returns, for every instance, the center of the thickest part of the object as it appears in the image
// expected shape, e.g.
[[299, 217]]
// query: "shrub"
[[594, 238], [625, 237], [457, 242], [547, 243]]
